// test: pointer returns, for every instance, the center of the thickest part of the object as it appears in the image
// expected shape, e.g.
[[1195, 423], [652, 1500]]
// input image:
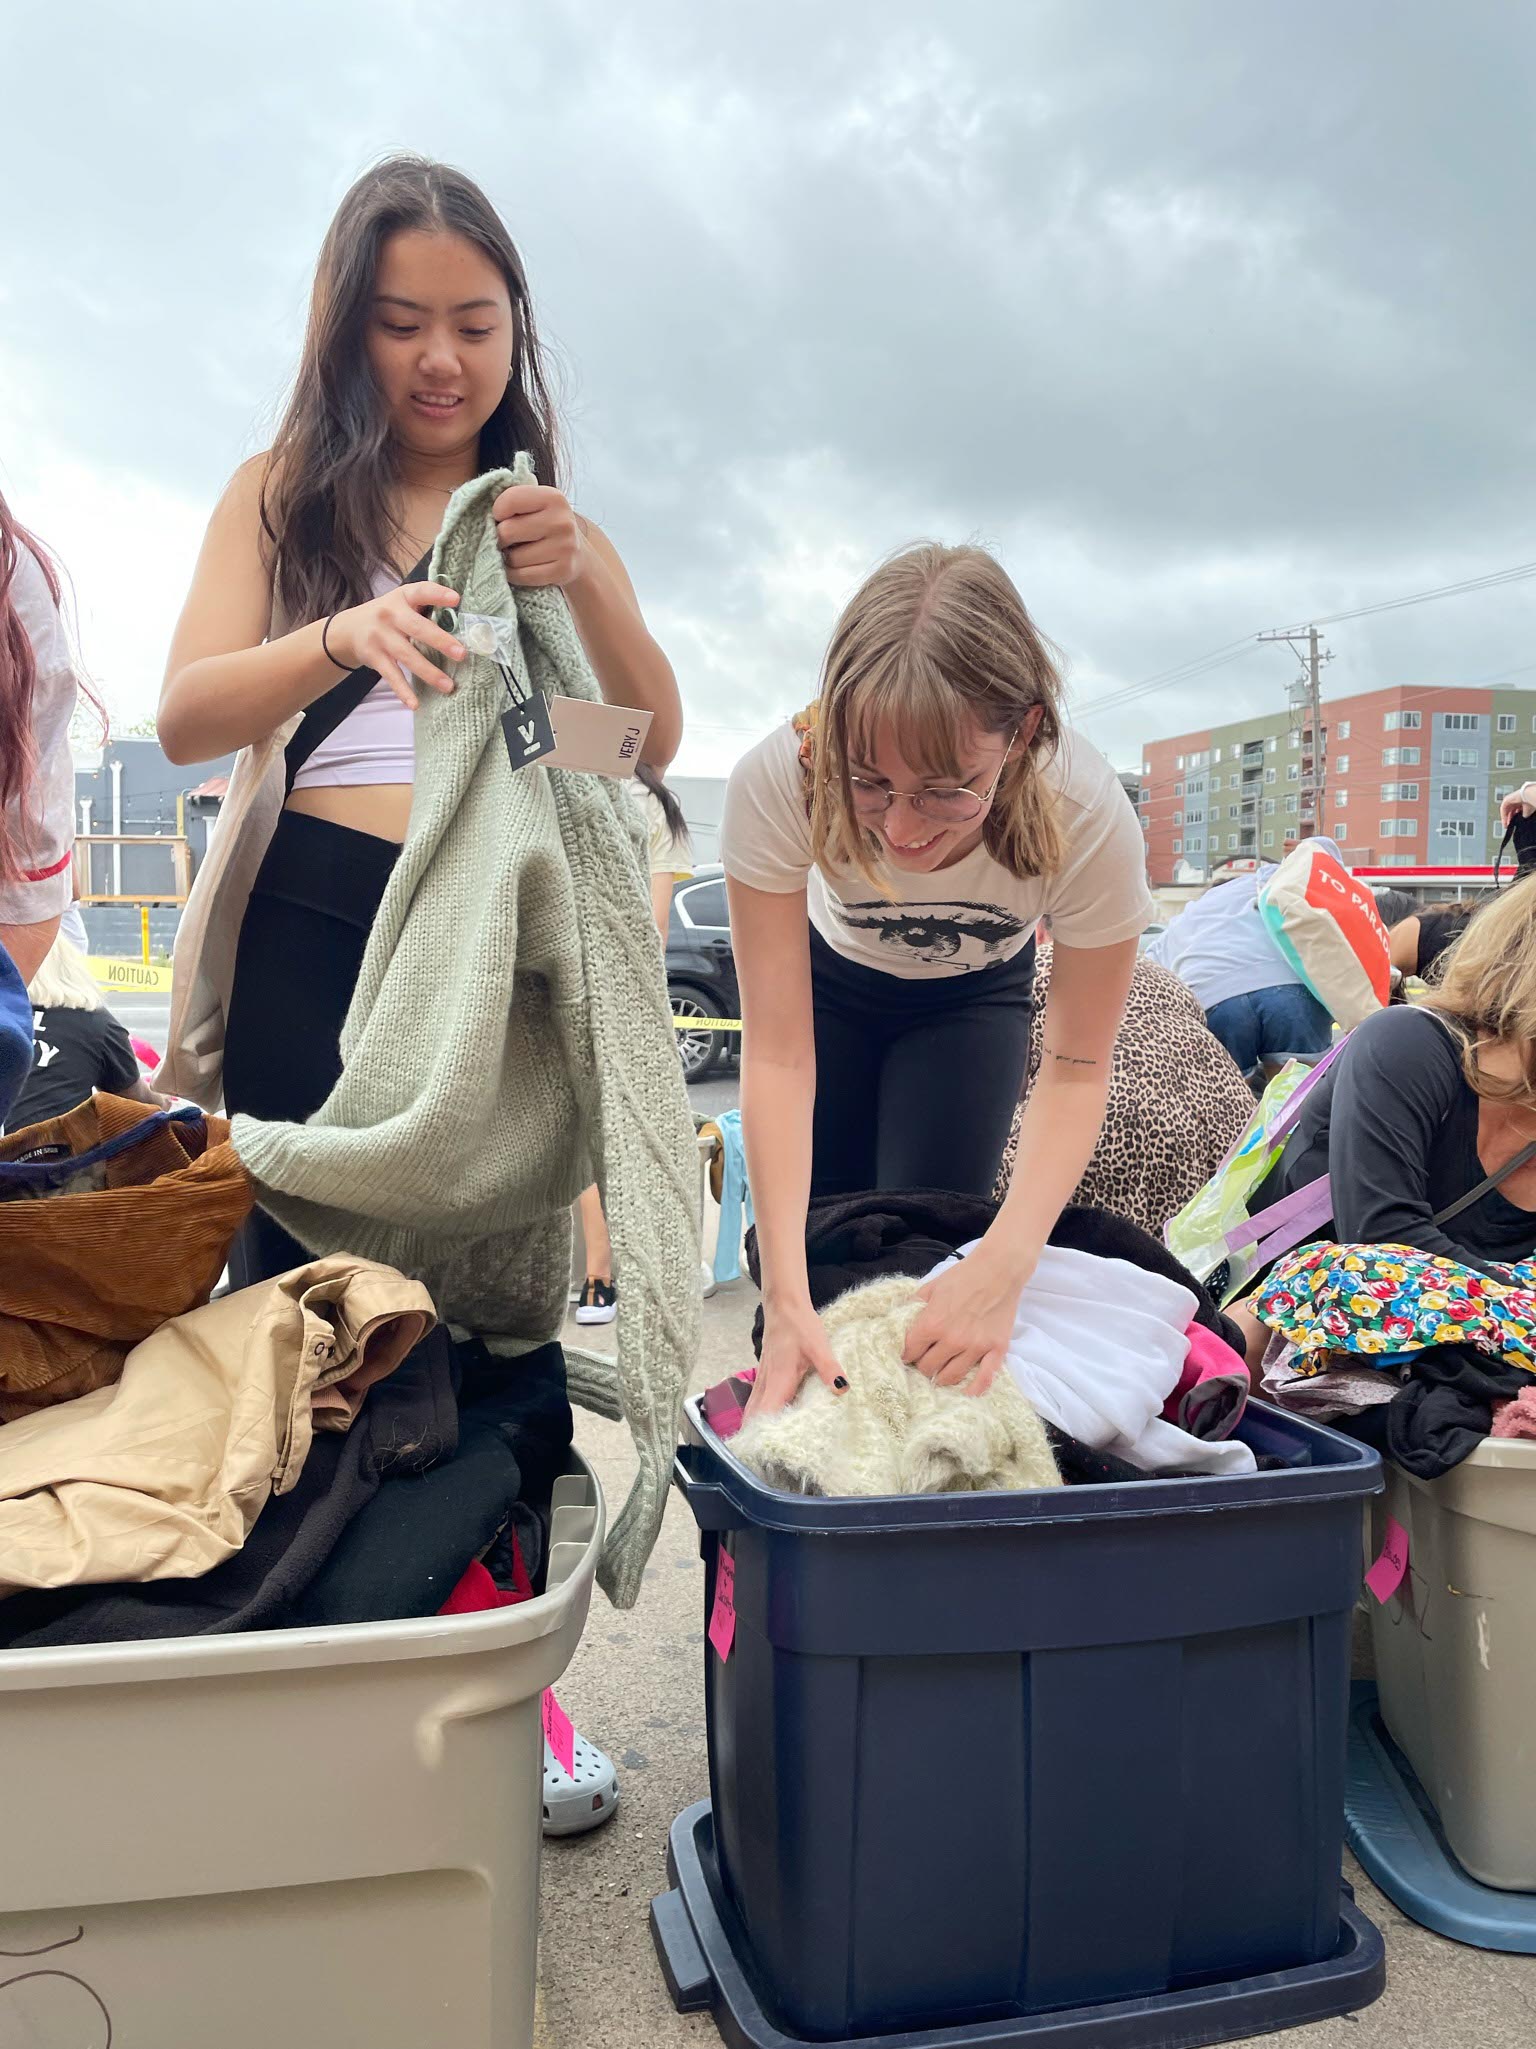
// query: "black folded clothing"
[[853, 1239]]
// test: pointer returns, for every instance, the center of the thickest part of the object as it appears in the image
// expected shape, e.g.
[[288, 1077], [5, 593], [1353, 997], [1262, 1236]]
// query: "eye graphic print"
[[966, 935]]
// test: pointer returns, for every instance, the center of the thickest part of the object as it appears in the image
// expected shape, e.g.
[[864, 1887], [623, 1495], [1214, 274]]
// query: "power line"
[[1199, 665]]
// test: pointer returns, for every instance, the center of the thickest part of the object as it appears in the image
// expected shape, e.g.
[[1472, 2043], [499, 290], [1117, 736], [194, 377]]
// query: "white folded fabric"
[[1098, 1346]]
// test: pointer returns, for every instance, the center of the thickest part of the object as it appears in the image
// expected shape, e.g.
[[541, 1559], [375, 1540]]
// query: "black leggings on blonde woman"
[[916, 1080]]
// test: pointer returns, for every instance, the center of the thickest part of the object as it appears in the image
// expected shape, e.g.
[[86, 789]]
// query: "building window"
[[1178, 846], [1457, 828], [1146, 769], [1269, 839], [1178, 789], [1341, 800], [1231, 842], [1398, 828], [1458, 793], [1504, 758], [1178, 817], [1292, 772], [1458, 757], [1179, 764], [1231, 811], [1462, 721], [1146, 825], [1290, 805], [1293, 739], [1399, 793], [1269, 807], [1269, 774], [1391, 756], [1506, 722], [1341, 763], [1410, 756], [1343, 732], [1410, 721], [1235, 751]]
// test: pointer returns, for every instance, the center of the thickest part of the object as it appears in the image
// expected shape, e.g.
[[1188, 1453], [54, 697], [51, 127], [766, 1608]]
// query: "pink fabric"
[[1516, 1418], [1213, 1389], [145, 1054]]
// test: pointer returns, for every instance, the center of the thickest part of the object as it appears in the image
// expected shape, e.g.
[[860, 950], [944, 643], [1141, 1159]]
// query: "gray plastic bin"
[[1456, 1653], [296, 1837]]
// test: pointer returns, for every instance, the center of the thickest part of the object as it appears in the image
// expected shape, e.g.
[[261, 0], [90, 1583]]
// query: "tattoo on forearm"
[[1070, 1059]]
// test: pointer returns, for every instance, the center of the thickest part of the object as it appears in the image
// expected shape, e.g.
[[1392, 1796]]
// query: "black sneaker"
[[599, 1302]]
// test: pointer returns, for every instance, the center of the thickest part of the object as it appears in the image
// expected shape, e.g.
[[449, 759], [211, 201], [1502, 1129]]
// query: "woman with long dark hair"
[[421, 369]]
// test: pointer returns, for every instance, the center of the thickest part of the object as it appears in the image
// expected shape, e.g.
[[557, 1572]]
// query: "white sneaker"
[[599, 1302]]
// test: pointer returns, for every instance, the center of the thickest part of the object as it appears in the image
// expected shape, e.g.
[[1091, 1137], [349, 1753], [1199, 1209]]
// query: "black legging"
[[916, 1080], [301, 946]]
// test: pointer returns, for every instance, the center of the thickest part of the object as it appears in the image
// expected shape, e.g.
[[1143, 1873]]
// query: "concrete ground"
[[636, 1688]]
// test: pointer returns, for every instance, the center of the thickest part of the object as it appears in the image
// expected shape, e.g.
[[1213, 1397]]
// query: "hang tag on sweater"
[[528, 733], [603, 739], [722, 1620]]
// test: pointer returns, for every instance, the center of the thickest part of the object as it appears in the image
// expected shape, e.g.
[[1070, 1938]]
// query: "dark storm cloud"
[[1205, 316]]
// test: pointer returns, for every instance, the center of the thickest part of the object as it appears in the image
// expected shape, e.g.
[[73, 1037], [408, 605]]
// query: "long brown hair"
[[1487, 991], [936, 639], [18, 677], [327, 504]]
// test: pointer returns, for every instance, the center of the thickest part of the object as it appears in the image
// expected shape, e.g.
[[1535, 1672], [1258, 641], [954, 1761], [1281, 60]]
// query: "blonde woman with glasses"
[[888, 855]]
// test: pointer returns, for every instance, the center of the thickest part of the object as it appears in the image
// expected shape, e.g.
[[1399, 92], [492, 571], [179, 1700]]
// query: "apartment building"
[[1403, 778]]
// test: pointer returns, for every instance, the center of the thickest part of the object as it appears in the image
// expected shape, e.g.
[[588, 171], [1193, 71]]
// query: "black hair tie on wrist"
[[325, 646]]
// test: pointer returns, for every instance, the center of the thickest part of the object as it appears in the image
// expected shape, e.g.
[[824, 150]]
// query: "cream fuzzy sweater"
[[509, 1034], [894, 1431]]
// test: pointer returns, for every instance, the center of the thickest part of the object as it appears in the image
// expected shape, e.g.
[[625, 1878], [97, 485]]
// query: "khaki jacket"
[[163, 1475]]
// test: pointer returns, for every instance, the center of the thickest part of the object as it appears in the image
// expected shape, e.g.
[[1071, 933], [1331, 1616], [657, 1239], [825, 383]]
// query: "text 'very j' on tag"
[[559, 1733], [722, 1620], [527, 730], [1386, 1575], [603, 739]]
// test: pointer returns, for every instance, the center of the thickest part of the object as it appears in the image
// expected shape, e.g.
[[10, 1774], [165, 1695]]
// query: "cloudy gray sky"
[[1206, 317]]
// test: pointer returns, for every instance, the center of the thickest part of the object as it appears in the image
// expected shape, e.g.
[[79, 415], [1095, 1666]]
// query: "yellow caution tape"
[[707, 1024], [131, 977]]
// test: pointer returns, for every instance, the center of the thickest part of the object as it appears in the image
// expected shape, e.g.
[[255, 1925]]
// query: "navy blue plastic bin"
[[974, 1756]]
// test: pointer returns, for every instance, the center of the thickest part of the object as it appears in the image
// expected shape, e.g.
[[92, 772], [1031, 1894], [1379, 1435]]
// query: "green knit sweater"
[[511, 1031]]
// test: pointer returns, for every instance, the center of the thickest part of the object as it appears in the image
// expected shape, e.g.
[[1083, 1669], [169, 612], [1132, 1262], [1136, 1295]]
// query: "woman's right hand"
[[1520, 803], [389, 633], [794, 1345]]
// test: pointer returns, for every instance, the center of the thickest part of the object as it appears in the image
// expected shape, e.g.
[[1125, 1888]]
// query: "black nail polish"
[[840, 1384]]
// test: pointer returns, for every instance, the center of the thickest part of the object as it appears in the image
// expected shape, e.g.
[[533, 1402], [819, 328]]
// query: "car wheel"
[[699, 1051]]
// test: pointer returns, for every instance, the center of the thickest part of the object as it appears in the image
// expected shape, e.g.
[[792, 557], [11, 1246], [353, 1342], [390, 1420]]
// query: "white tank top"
[[374, 744]]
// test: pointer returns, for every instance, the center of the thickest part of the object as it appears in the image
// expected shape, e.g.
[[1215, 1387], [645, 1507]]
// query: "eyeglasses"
[[948, 807]]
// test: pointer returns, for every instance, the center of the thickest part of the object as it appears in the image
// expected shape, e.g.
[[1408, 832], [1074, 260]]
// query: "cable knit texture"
[[894, 1431], [510, 1030]]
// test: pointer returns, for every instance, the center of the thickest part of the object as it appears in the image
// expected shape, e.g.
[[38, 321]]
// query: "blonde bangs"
[[936, 643]]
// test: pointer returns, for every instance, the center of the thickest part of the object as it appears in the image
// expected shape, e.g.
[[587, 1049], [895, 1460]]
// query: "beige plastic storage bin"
[[312, 1839], [1456, 1653]]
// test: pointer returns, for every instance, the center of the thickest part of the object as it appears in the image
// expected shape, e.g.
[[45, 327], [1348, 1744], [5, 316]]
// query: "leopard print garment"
[[1176, 1102]]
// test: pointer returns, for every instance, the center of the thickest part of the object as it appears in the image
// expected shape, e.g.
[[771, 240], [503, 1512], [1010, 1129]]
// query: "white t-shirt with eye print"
[[958, 919]]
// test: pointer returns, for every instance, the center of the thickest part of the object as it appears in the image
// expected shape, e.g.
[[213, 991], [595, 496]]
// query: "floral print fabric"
[[1385, 1301]]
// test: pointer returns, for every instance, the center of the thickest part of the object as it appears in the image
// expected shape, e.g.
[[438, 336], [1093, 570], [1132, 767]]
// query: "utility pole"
[[1307, 722]]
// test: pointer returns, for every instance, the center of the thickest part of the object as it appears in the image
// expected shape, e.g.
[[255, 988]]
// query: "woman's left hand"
[[966, 1321], [540, 537]]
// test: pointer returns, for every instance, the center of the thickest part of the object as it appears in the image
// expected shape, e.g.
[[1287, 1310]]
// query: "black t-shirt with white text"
[[73, 1053]]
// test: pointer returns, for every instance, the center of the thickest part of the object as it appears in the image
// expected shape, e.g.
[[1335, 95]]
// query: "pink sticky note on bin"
[[722, 1619], [559, 1733], [1386, 1575]]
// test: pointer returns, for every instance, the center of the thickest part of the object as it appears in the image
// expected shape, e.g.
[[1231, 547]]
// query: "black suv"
[[701, 970]]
